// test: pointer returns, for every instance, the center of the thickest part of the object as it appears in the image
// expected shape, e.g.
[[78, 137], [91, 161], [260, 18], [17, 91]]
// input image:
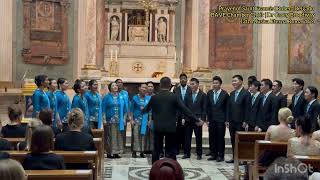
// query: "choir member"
[[298, 102], [139, 121], [63, 102], [217, 104], [80, 101], [196, 102], [94, 104], [113, 110], [40, 99], [237, 108]]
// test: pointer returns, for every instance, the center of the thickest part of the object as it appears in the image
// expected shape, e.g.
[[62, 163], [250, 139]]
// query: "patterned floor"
[[138, 168]]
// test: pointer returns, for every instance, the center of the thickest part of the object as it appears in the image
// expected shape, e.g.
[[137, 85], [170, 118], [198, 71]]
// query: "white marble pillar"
[[6, 40], [266, 50], [100, 33], [187, 39], [91, 33], [80, 37], [203, 35], [194, 34]]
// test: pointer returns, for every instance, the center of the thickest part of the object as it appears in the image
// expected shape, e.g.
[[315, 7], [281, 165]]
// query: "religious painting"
[[230, 43], [45, 30], [300, 44]]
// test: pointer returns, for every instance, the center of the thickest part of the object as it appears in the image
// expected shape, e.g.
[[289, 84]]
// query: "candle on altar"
[[111, 55], [116, 55]]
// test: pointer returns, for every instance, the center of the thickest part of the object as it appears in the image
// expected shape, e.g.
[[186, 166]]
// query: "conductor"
[[164, 106]]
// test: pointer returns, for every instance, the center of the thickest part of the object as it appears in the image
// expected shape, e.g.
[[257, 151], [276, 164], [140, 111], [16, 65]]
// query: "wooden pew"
[[244, 148], [59, 174], [98, 144], [99, 133], [261, 147], [69, 157], [313, 161]]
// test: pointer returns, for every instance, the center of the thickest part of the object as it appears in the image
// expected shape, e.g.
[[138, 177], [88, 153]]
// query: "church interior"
[[142, 41]]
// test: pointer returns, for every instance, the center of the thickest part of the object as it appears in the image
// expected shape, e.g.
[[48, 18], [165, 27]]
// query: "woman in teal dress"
[[79, 101], [94, 104], [63, 102], [40, 99], [51, 93], [139, 122], [113, 110]]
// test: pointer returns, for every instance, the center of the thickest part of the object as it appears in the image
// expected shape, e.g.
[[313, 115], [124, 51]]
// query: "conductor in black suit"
[[217, 103], [237, 108], [196, 102], [267, 113], [312, 108], [298, 103], [253, 106], [183, 91], [164, 107]]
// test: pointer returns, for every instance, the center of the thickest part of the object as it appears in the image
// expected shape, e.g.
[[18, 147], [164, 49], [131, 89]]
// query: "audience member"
[[14, 129]]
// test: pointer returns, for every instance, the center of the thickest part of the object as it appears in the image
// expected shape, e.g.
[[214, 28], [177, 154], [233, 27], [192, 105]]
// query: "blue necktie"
[[264, 99], [183, 93], [253, 99], [194, 97], [296, 98], [236, 96], [215, 95], [308, 107]]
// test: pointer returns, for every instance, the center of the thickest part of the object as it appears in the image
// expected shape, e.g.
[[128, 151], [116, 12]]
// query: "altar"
[[140, 40]]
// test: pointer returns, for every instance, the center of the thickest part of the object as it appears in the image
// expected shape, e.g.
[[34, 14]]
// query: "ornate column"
[[203, 35], [267, 64], [100, 32], [6, 43], [126, 26], [187, 48], [172, 23], [90, 70]]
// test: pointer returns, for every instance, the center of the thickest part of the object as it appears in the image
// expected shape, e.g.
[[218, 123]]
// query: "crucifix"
[[147, 5]]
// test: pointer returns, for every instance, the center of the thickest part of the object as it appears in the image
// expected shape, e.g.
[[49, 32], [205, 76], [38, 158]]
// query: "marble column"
[[187, 39], [6, 43], [267, 63], [90, 71], [203, 35], [100, 32]]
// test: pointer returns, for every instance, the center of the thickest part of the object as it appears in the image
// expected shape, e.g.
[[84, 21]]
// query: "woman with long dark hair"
[[79, 101], [63, 102], [94, 104], [40, 98]]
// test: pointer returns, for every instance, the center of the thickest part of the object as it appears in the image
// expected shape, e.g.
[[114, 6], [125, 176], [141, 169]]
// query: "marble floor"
[[138, 168]]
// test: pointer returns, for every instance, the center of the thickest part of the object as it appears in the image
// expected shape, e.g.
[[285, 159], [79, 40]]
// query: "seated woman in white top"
[[316, 134], [281, 132], [303, 145]]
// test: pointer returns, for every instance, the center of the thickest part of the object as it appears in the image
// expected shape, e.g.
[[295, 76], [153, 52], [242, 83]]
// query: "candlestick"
[[111, 55], [116, 55]]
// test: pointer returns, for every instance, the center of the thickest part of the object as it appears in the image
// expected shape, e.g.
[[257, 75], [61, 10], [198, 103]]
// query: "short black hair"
[[267, 82], [165, 83], [238, 77], [314, 91], [61, 81], [252, 78], [256, 84], [39, 79], [195, 80], [298, 81], [217, 78], [91, 82], [183, 75], [50, 81], [116, 81], [279, 83], [305, 123], [77, 85], [109, 85], [149, 82]]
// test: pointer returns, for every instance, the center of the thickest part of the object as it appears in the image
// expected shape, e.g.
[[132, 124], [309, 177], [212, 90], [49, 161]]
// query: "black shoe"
[[230, 161], [212, 158], [109, 156], [199, 157], [116, 156], [134, 155], [185, 156], [142, 155], [220, 159], [209, 154], [161, 155]]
